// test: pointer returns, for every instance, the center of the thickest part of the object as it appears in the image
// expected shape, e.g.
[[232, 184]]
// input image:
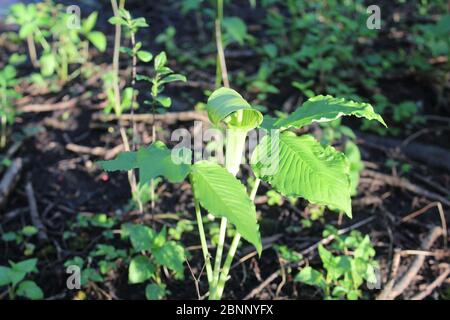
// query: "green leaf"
[[98, 39], [152, 161], [140, 270], [117, 20], [10, 236], [144, 56], [89, 23], [173, 78], [26, 30], [48, 64], [219, 192], [356, 165], [155, 291], [29, 231], [141, 236], [140, 23], [5, 276], [124, 161], [236, 28], [223, 105], [311, 277], [160, 60], [302, 167], [30, 290], [166, 102], [327, 108], [170, 255], [26, 266]]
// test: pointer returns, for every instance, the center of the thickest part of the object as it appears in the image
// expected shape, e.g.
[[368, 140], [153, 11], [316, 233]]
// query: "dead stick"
[[10, 179], [47, 107], [412, 271], [263, 284], [42, 235], [404, 184], [435, 284], [170, 117]]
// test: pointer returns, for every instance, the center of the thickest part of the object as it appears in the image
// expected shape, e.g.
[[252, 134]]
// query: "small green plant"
[[345, 273], [63, 44], [22, 237], [163, 75], [8, 94], [14, 278], [32, 22], [151, 252]]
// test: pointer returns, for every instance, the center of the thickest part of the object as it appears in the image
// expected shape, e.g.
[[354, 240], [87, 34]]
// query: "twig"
[[404, 184], [415, 214], [10, 179], [42, 234], [170, 117], [47, 107], [409, 275], [263, 284], [95, 151], [436, 283]]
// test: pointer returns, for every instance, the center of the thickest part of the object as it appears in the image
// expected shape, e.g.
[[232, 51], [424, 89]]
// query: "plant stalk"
[[204, 244], [32, 51], [234, 244]]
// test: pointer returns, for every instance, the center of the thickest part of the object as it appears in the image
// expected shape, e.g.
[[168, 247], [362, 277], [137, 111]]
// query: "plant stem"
[[116, 53], [221, 55], [117, 99], [204, 244], [226, 267], [32, 51], [234, 244], [133, 84], [218, 259]]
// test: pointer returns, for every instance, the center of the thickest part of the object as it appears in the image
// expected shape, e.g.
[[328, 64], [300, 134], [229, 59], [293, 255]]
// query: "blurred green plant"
[[8, 95], [14, 278]]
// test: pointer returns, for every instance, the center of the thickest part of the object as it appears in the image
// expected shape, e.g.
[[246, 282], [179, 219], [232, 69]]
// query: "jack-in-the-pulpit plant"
[[293, 165]]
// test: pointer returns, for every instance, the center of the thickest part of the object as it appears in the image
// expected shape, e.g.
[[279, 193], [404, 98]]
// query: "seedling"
[[13, 277], [344, 274], [22, 236], [48, 24], [152, 252]]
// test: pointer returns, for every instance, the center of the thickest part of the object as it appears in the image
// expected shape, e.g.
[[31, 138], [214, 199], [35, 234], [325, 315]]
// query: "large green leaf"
[[306, 169], [327, 108], [152, 161], [223, 105], [219, 192]]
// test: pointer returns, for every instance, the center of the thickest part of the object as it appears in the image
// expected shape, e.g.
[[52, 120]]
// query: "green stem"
[[219, 252], [226, 267], [230, 256], [201, 231]]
